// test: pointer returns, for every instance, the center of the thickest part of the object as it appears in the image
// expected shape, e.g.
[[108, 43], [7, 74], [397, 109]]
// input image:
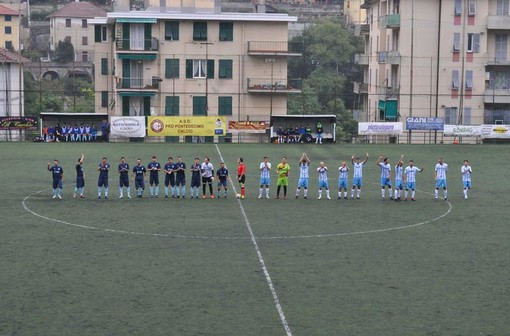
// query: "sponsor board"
[[462, 130], [424, 124], [130, 127], [186, 126], [495, 131], [19, 123], [382, 128], [247, 126]]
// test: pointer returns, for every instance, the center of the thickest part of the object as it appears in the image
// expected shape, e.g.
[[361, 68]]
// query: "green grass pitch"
[[188, 267]]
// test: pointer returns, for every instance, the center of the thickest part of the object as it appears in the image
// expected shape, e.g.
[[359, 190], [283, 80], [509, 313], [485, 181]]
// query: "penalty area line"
[[262, 263]]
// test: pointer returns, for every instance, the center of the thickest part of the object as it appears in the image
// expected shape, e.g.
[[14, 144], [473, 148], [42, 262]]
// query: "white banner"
[[129, 127], [383, 128], [495, 131], [462, 130]]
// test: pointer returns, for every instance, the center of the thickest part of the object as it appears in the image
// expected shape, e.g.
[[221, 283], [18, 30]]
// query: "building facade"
[[189, 59], [70, 24], [435, 58], [11, 89], [9, 28]]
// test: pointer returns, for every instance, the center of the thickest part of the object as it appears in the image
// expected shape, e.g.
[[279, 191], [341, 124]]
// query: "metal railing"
[[275, 47], [151, 44], [274, 85]]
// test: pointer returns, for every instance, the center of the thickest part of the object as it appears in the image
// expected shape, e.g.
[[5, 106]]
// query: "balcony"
[[388, 91], [137, 45], [388, 57], [138, 86], [362, 29], [391, 21], [360, 88], [274, 48], [366, 4], [263, 85], [498, 22], [497, 96], [361, 59]]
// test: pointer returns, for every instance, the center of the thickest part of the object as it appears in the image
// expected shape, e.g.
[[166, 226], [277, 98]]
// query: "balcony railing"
[[391, 21], [361, 59], [388, 57], [362, 29], [497, 96], [360, 88], [138, 83], [388, 91], [275, 48], [138, 45], [498, 22], [276, 85]]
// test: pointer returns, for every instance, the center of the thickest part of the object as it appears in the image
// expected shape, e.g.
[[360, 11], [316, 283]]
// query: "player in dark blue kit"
[[103, 168], [195, 179], [57, 172], [154, 167], [180, 177], [169, 177], [139, 176], [222, 179], [80, 178], [124, 178]]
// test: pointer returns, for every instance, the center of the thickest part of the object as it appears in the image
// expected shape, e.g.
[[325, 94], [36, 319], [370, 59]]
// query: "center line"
[[261, 259]]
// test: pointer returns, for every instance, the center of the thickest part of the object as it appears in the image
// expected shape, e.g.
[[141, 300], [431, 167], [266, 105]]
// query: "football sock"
[[151, 190], [278, 191], [320, 193], [267, 192], [98, 191], [284, 191], [339, 194], [327, 193], [128, 190], [183, 188], [166, 191], [396, 193], [405, 194], [203, 189], [352, 193], [54, 192], [382, 193], [445, 193], [120, 191], [436, 193], [359, 192], [210, 188], [82, 190], [242, 191], [306, 192], [106, 192], [345, 193], [465, 192], [412, 193], [260, 192], [297, 192]]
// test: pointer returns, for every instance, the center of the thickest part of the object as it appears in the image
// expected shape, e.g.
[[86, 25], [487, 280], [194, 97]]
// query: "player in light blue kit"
[[265, 176], [399, 180], [323, 180], [440, 176], [410, 179], [385, 176], [466, 177], [304, 165], [343, 180], [357, 176]]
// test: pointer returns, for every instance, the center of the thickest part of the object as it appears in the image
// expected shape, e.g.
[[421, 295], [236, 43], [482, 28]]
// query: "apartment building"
[[9, 28], [187, 58], [435, 58], [70, 24], [353, 12]]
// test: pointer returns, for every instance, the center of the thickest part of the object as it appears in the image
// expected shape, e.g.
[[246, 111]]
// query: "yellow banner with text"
[[186, 126]]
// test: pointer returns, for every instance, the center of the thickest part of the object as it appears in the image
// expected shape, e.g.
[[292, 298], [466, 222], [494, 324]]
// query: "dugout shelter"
[[288, 122]]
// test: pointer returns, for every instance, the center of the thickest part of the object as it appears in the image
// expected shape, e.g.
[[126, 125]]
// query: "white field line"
[[261, 259]]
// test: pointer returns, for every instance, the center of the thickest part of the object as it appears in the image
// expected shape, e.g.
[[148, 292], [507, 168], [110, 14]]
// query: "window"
[[68, 23], [84, 23], [104, 98], [84, 56], [200, 31], [450, 115], [8, 30], [456, 42], [458, 7], [473, 43], [8, 18], [199, 68], [226, 31], [172, 106], [225, 69], [469, 80], [172, 31], [471, 7], [100, 34], [84, 40], [467, 116], [104, 66], [502, 7], [172, 68], [8, 45], [104, 34], [199, 106], [225, 106], [455, 79], [501, 47]]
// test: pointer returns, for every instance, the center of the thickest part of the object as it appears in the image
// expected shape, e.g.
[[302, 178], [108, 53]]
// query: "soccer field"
[[254, 266]]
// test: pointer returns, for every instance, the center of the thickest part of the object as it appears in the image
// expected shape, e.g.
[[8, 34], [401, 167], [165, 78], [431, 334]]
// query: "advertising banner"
[[129, 127], [19, 123], [247, 126], [462, 130], [424, 124], [187, 126], [495, 131], [380, 128]]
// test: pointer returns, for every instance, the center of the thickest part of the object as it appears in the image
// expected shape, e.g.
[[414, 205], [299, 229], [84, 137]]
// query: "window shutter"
[[172, 106], [104, 98], [104, 66], [456, 41], [97, 33], [476, 43], [210, 69], [126, 73], [469, 79], [148, 37], [125, 36], [125, 106], [146, 106], [455, 79], [189, 68]]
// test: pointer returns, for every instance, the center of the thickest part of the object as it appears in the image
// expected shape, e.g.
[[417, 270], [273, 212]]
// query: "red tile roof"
[[79, 10], [7, 11], [7, 56]]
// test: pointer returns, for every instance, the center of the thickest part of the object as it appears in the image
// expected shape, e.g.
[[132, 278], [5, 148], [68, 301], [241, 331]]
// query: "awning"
[[149, 57], [136, 20], [137, 94]]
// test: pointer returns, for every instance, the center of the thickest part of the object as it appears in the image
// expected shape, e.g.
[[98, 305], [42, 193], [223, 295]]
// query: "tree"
[[64, 52]]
